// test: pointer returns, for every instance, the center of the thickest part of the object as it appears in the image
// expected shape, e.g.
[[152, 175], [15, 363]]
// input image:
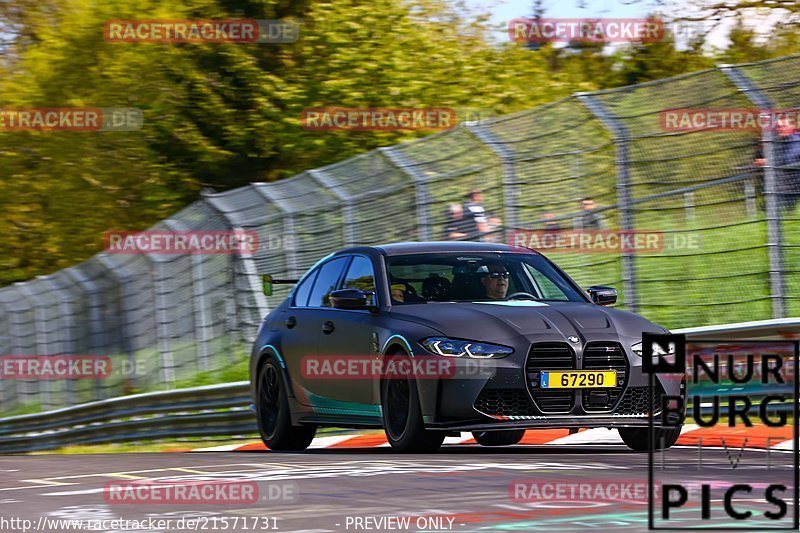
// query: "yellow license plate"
[[579, 379]]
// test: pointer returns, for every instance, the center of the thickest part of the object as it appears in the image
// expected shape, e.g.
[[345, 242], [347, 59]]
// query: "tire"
[[402, 416], [637, 439], [499, 438], [272, 413]]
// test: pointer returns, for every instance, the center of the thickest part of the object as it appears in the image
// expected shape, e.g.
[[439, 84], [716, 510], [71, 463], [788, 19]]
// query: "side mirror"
[[602, 295], [352, 299]]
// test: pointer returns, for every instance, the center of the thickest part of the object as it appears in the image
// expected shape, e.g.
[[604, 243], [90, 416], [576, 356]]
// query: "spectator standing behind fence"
[[591, 219], [786, 152], [487, 226], [548, 222], [459, 227]]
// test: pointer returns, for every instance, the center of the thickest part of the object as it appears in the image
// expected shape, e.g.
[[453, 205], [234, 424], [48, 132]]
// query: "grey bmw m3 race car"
[[494, 340]]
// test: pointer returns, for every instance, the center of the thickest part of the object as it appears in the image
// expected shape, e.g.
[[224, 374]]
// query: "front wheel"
[[637, 438], [402, 416], [272, 413], [499, 438]]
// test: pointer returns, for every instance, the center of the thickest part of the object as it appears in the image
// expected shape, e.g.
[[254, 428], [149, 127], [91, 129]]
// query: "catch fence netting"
[[720, 200]]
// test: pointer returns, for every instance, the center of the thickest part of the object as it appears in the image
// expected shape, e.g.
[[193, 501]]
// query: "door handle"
[[291, 322], [327, 327]]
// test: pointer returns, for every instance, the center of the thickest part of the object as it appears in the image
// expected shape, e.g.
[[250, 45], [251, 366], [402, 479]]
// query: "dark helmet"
[[436, 288]]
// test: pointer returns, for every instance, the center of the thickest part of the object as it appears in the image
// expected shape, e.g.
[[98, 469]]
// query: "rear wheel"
[[272, 413], [499, 438], [402, 416], [637, 439]]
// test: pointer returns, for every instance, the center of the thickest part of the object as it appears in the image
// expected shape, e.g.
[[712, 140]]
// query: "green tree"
[[646, 61], [744, 46], [224, 115], [221, 115]]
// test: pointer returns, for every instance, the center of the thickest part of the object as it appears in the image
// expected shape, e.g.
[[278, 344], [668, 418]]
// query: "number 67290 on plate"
[[579, 379]]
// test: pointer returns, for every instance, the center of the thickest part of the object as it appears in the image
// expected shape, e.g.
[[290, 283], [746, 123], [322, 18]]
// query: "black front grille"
[[605, 356], [636, 400], [550, 356], [503, 403]]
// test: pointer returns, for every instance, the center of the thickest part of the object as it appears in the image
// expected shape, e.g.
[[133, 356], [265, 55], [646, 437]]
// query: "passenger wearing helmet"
[[403, 292], [398, 292]]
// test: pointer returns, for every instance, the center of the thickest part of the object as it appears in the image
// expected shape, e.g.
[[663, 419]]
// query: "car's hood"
[[504, 320]]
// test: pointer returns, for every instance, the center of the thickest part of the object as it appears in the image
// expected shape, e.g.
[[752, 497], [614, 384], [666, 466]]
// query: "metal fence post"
[[122, 277], [91, 293], [163, 339], [510, 193], [420, 187], [23, 342], [40, 326], [288, 229], [68, 340], [247, 268], [689, 206], [201, 319], [7, 397], [343, 196], [774, 230], [624, 199]]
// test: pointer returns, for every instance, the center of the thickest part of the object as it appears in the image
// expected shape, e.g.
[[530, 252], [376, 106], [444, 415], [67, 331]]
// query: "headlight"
[[637, 349], [459, 348]]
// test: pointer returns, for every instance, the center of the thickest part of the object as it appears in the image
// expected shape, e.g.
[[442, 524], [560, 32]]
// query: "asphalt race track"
[[461, 488]]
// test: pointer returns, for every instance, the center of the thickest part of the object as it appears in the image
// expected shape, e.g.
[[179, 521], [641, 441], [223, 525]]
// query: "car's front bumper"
[[549, 421], [503, 398]]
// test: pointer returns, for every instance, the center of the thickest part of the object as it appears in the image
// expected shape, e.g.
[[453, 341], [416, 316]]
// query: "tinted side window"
[[303, 290], [360, 275], [326, 282]]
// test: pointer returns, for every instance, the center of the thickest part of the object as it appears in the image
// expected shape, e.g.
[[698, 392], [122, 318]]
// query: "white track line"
[[590, 436], [785, 445], [319, 442], [595, 436], [326, 442], [689, 427], [461, 439], [226, 448]]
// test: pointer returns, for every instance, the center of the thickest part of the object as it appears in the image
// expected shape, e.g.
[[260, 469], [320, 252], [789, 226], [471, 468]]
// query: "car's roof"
[[402, 248]]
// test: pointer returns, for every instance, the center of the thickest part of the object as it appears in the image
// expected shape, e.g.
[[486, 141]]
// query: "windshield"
[[462, 277]]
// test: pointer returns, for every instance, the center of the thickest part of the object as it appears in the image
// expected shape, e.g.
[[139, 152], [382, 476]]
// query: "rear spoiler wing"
[[267, 281]]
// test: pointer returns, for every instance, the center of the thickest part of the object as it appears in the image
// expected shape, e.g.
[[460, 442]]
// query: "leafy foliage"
[[224, 115]]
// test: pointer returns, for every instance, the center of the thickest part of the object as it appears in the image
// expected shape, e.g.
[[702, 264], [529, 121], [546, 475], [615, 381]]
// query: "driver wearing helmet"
[[494, 278]]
